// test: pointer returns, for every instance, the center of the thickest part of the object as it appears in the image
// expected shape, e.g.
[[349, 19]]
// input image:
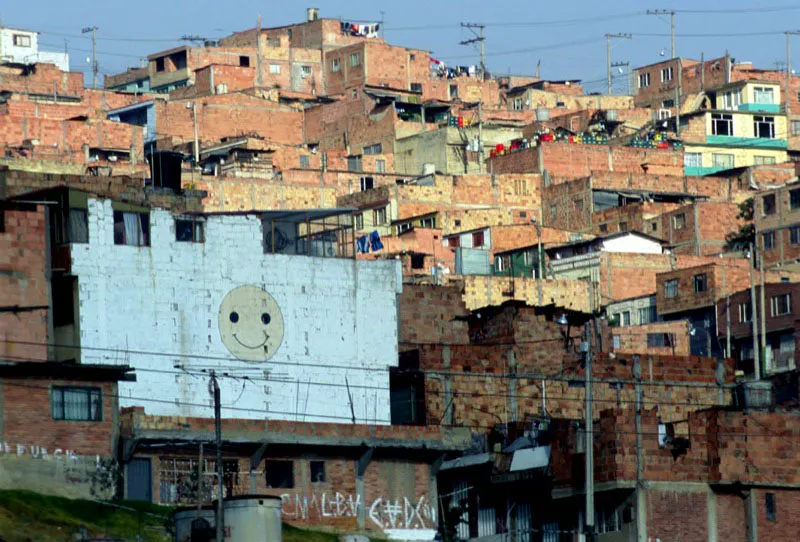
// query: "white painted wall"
[[28, 55], [632, 243], [166, 298]]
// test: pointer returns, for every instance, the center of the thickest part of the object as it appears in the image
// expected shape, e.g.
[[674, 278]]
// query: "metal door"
[[140, 480]]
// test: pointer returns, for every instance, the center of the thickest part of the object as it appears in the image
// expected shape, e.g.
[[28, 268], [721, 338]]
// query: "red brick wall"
[[41, 79], [27, 419], [430, 314], [23, 283]]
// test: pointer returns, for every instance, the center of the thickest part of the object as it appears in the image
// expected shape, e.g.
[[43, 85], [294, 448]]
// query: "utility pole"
[[196, 140], [624, 65], [200, 471], [589, 444], [95, 66], [763, 341], [789, 68], [678, 92], [608, 52], [259, 81], [754, 316], [539, 260], [480, 136], [671, 13], [220, 471], [479, 38]]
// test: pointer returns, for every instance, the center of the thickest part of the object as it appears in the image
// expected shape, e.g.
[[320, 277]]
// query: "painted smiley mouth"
[[266, 338]]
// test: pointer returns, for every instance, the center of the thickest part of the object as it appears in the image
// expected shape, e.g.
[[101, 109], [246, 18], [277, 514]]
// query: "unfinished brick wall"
[[573, 161], [432, 314], [636, 339], [23, 282], [41, 79], [703, 227]]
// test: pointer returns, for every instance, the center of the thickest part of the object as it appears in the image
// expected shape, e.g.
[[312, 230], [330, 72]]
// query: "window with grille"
[[77, 404], [768, 240], [693, 159], [666, 74], [355, 59], [722, 160], [648, 315], [644, 80], [671, 288]]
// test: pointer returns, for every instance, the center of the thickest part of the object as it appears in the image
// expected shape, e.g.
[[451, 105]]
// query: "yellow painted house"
[[742, 125]]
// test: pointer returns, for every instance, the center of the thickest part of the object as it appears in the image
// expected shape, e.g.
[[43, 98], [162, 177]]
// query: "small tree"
[[746, 234]]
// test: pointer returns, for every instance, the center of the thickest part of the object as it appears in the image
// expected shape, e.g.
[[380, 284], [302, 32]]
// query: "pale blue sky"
[[516, 34]]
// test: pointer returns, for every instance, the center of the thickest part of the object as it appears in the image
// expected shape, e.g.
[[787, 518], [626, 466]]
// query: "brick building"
[[779, 350], [776, 215], [720, 473], [366, 477]]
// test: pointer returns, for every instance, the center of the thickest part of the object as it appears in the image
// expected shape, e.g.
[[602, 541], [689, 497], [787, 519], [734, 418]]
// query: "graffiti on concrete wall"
[[384, 513], [36, 452]]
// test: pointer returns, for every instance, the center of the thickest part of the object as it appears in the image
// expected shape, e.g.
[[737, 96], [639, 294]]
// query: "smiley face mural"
[[250, 323]]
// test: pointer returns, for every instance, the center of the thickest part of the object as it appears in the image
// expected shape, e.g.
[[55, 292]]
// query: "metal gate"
[[522, 522], [550, 532], [487, 522], [140, 480]]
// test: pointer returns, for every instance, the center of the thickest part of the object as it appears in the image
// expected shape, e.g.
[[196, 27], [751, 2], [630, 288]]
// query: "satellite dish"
[[619, 69], [662, 52]]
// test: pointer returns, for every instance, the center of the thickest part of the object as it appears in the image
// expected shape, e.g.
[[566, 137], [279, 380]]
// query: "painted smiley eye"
[[265, 318], [234, 317]]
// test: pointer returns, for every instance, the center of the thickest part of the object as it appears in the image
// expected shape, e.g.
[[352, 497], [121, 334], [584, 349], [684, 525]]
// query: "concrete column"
[[361, 468], [751, 516], [449, 412], [711, 508], [641, 515]]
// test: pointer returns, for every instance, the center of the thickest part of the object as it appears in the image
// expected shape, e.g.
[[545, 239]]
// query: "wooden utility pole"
[[220, 523]]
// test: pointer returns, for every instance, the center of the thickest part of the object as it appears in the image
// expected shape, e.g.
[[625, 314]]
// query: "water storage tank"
[[312, 14], [188, 519], [253, 519], [542, 114]]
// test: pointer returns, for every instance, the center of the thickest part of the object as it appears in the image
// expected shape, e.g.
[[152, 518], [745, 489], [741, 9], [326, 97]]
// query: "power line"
[[789, 432]]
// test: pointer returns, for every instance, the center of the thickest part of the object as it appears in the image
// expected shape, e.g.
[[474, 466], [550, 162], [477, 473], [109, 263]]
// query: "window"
[[21, 40], [626, 318], [654, 226], [305, 161], [553, 211], [379, 216], [516, 105], [700, 283], [355, 59], [380, 166], [188, 230], [722, 160], [354, 163], [521, 187], [764, 127], [373, 149], [503, 263], [2, 220], [404, 227], [722, 124], [795, 127], [336, 64], [764, 95], [763, 160], [644, 80], [78, 226], [671, 288], [794, 235], [429, 222], [731, 100], [417, 261], [658, 340], [768, 240], [771, 509], [693, 159], [668, 103], [781, 304], [666, 74], [679, 221], [160, 64], [794, 198], [745, 313], [280, 474], [359, 221], [131, 228], [453, 91], [416, 87], [77, 404], [578, 204], [623, 226], [648, 315], [477, 239], [367, 183], [275, 69], [768, 205], [244, 61], [317, 472], [603, 228], [305, 71], [454, 242]]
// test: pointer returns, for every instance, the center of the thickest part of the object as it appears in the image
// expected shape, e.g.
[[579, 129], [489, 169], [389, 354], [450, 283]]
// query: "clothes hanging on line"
[[362, 244], [375, 241]]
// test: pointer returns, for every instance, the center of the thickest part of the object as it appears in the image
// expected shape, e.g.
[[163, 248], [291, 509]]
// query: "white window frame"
[[764, 93], [275, 69], [666, 74], [774, 304], [717, 162], [693, 159], [720, 119], [745, 313], [764, 120], [336, 64], [21, 40], [644, 80]]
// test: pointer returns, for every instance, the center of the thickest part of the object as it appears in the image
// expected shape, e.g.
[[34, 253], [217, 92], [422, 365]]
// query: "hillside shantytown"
[[390, 297]]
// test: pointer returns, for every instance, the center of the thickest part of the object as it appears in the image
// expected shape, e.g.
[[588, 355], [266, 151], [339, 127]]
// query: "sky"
[[566, 37]]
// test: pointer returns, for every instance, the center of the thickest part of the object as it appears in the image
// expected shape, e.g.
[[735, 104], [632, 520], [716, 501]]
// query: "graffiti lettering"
[[36, 452], [383, 513]]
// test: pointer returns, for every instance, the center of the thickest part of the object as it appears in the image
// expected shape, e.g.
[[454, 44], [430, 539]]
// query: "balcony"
[[748, 142], [761, 108]]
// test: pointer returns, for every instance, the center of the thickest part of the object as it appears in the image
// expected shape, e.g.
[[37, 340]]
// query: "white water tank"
[[312, 14], [253, 519]]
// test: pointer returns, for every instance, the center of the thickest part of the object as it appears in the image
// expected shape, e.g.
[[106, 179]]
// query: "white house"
[[22, 47]]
